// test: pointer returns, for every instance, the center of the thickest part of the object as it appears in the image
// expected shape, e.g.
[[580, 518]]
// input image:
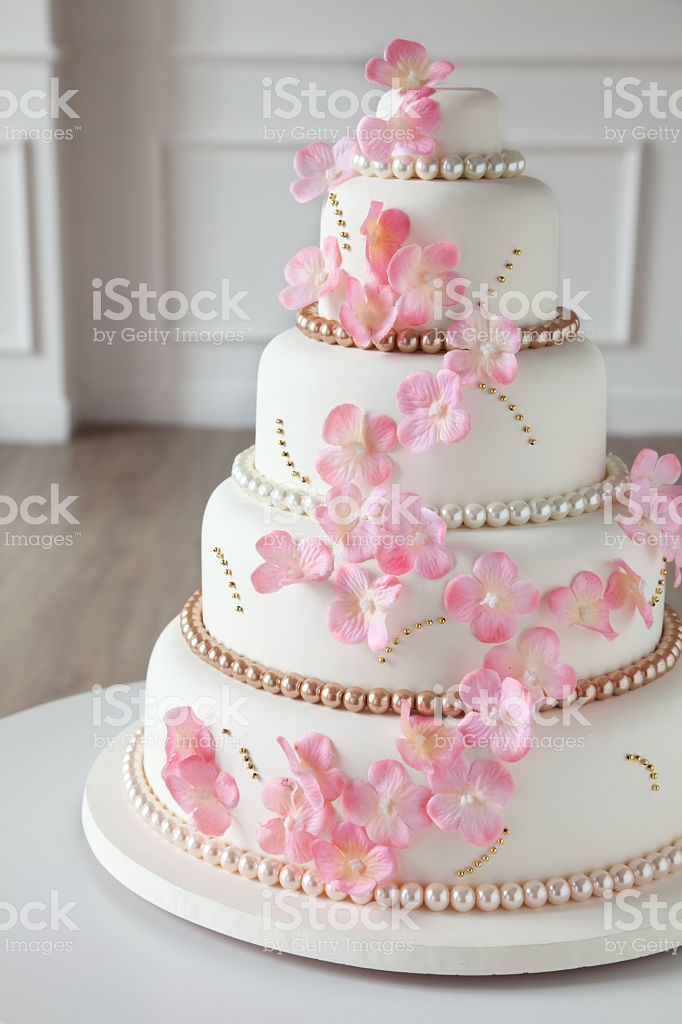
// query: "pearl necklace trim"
[[563, 328], [507, 164], [436, 896], [379, 701], [291, 498]]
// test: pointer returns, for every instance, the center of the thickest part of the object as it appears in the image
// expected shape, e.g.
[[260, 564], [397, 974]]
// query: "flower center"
[[203, 794], [437, 408], [428, 277], [289, 822], [419, 537], [492, 600], [529, 677], [366, 605], [356, 866], [487, 350], [332, 173], [585, 614], [359, 447], [386, 805], [321, 277], [467, 799]]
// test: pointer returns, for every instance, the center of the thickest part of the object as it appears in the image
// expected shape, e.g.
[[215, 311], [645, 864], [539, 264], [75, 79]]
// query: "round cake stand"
[[476, 943]]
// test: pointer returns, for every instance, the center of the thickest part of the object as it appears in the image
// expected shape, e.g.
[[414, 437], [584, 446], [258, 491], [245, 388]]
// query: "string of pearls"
[[507, 164], [379, 701], [290, 498], [436, 896]]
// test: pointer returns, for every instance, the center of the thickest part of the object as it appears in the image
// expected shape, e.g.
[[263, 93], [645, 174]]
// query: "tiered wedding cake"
[[420, 597]]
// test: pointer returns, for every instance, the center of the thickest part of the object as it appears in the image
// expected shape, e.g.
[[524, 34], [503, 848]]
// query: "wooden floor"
[[88, 613]]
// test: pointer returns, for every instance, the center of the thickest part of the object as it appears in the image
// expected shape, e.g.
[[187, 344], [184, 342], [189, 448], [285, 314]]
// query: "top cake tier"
[[470, 120]]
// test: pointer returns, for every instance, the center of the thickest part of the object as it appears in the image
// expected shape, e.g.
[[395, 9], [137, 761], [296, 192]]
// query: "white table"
[[129, 961]]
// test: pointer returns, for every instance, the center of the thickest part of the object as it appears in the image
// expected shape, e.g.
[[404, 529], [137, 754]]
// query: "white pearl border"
[[473, 515], [436, 896], [507, 164]]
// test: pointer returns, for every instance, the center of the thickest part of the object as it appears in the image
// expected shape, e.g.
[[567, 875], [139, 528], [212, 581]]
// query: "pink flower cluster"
[[204, 793], [655, 506]]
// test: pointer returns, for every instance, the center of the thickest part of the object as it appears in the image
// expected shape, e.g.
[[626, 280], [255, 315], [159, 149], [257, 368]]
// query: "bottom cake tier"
[[600, 789]]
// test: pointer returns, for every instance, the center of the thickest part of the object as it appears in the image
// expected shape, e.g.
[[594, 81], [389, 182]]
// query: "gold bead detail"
[[518, 252], [501, 279]]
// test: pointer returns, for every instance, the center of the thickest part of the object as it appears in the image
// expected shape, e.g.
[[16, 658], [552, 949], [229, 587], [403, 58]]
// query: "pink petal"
[[386, 591], [298, 295], [268, 578], [563, 605], [304, 189], [539, 645], [418, 433], [350, 581], [511, 743], [415, 307], [316, 750], [444, 811], [211, 817], [492, 782], [396, 560], [331, 254], [336, 466], [374, 139], [343, 424], [373, 469], [668, 470], [455, 426], [346, 624], [271, 836], [277, 795], [440, 256], [316, 558], [504, 660], [432, 561], [382, 863], [313, 160], [226, 789], [413, 803], [388, 776], [439, 69], [480, 825], [377, 631], [417, 392], [525, 597], [480, 686], [504, 368], [404, 51], [462, 597], [404, 267], [495, 569], [587, 587], [493, 625], [379, 432]]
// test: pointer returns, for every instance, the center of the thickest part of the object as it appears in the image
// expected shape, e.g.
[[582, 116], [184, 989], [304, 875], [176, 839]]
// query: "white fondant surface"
[[579, 804], [560, 390], [485, 219], [287, 631]]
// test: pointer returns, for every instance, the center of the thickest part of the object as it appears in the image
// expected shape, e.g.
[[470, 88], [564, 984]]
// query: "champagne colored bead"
[[387, 343], [331, 695], [558, 891], [511, 896], [462, 898], [310, 691], [487, 896], [238, 669], [436, 896], [378, 701], [424, 703], [326, 332], [432, 342], [254, 675], [397, 699], [408, 340], [290, 685], [354, 699], [270, 682]]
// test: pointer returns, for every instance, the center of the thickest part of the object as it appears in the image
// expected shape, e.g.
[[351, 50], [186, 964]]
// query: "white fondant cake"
[[418, 582]]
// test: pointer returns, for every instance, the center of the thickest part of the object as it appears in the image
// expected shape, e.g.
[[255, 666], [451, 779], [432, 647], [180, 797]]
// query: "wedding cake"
[[430, 663]]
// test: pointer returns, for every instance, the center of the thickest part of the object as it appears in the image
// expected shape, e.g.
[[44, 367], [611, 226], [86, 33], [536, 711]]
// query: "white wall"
[[169, 182]]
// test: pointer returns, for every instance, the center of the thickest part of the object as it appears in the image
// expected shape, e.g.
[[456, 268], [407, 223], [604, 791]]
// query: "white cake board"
[[475, 943]]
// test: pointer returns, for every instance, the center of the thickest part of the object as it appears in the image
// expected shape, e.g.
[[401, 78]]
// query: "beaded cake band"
[[304, 501], [379, 701], [564, 327], [507, 164], [437, 896]]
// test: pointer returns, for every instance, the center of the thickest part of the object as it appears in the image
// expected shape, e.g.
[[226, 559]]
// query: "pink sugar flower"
[[659, 472], [311, 760], [296, 823], [406, 66], [501, 714], [385, 231], [413, 538], [425, 745], [388, 806], [431, 403], [469, 798], [625, 587], [205, 794], [311, 273], [352, 522], [418, 275], [359, 443], [582, 605], [491, 598], [368, 313], [321, 167], [352, 862], [288, 561], [363, 601], [535, 663], [186, 735], [406, 132], [483, 348]]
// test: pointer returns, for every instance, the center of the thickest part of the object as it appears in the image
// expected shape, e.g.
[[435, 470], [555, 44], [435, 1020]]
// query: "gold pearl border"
[[563, 328], [379, 701]]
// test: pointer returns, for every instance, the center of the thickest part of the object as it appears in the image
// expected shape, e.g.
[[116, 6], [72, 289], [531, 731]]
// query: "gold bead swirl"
[[660, 584], [286, 454], [650, 767], [227, 571], [407, 631], [485, 857], [513, 408]]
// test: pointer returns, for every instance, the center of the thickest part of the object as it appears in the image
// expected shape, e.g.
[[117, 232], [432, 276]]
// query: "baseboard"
[[31, 419]]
